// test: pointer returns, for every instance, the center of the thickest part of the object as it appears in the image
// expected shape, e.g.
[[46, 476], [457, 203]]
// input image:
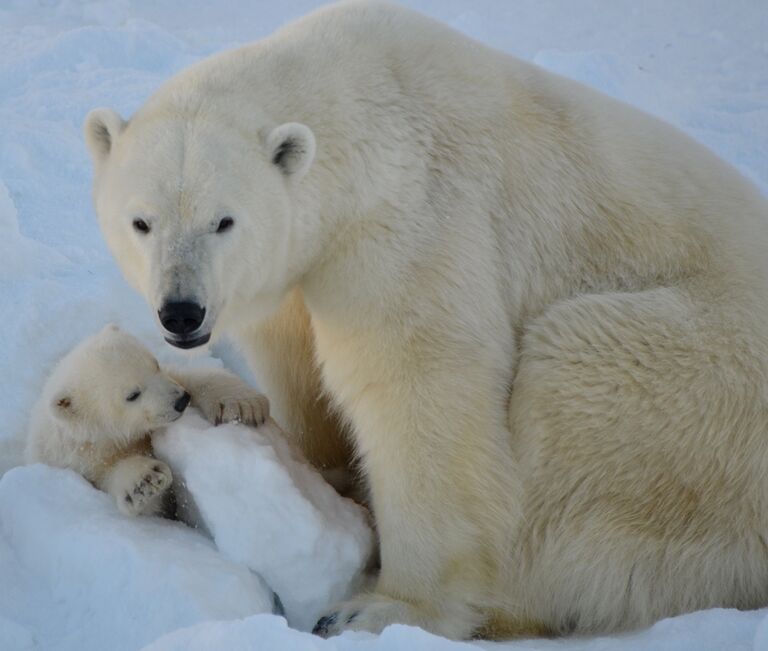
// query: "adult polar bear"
[[542, 313]]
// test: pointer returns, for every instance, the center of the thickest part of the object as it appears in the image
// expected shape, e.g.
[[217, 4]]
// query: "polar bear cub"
[[104, 399]]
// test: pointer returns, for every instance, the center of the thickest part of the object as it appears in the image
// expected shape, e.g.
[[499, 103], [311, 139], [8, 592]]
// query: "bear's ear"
[[102, 127], [291, 147], [62, 405]]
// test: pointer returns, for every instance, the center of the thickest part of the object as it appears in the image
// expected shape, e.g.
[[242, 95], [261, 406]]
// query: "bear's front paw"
[[374, 612], [369, 612], [143, 488], [247, 407]]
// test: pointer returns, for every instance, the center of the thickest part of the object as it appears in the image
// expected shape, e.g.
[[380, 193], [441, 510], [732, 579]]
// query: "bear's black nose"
[[181, 404], [181, 317]]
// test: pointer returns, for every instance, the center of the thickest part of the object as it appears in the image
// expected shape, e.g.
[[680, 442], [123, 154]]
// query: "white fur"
[[540, 313], [84, 421]]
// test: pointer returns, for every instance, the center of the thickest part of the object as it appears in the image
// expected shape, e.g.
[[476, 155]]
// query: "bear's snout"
[[181, 317]]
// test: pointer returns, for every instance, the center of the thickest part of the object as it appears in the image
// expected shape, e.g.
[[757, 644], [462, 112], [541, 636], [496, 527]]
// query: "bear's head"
[[199, 210], [111, 385]]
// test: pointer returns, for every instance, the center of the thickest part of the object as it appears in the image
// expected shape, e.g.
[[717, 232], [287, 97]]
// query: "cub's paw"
[[244, 406], [374, 612], [142, 485]]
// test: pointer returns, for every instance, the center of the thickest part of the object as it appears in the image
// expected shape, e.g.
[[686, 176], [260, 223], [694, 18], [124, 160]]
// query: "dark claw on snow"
[[321, 628]]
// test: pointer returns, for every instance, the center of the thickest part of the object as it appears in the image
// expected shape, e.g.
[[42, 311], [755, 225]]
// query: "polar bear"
[[104, 399], [535, 315]]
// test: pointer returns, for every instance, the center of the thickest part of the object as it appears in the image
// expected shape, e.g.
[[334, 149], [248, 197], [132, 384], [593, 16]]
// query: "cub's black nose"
[[181, 404], [181, 317]]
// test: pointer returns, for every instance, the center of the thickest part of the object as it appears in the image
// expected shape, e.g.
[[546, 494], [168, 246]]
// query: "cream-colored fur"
[[84, 421], [540, 313]]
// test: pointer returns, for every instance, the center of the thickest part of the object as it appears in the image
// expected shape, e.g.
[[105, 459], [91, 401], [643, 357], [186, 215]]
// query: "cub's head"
[[199, 208], [111, 385]]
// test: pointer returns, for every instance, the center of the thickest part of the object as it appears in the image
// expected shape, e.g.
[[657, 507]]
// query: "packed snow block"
[[116, 582], [266, 507]]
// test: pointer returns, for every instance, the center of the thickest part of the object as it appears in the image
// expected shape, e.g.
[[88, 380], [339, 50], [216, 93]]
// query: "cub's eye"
[[141, 226], [133, 395], [225, 224]]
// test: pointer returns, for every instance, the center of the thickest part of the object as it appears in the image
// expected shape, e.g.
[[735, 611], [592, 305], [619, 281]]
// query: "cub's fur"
[[102, 402]]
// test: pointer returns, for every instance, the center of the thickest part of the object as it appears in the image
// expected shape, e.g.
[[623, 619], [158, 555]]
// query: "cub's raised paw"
[[143, 485], [244, 406], [222, 397]]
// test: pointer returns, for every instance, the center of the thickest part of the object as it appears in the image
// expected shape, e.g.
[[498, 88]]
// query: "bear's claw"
[[324, 624]]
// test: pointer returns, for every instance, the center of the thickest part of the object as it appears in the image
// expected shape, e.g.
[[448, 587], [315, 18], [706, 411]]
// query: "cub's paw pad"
[[144, 490]]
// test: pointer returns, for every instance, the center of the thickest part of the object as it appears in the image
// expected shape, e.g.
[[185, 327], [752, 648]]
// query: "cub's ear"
[[291, 147], [62, 405], [102, 127]]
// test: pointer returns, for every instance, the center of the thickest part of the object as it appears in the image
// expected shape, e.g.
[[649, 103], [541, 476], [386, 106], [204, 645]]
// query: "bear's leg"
[[432, 431], [639, 423], [281, 351], [137, 483]]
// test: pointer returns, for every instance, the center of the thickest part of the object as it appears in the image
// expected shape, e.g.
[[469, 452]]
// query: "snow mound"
[[20, 255], [269, 509], [101, 580]]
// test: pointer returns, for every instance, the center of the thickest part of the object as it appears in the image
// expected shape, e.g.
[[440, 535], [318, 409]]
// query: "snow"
[[717, 630], [73, 572], [111, 582], [267, 508]]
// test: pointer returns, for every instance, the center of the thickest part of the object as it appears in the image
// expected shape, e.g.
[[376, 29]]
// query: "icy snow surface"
[[75, 574]]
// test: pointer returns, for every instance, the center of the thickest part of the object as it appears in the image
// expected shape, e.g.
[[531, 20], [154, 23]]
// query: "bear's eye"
[[141, 226], [133, 395], [225, 224]]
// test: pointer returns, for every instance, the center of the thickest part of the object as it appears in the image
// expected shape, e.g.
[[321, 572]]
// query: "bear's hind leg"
[[638, 420]]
